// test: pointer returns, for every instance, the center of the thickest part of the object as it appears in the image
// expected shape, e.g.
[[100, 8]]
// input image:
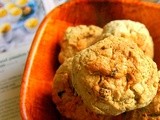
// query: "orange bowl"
[[42, 62]]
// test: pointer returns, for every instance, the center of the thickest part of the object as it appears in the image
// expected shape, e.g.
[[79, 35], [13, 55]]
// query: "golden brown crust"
[[78, 38], [150, 112], [113, 76], [68, 103], [133, 30]]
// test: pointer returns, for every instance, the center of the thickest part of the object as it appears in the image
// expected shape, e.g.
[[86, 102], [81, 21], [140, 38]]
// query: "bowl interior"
[[36, 100]]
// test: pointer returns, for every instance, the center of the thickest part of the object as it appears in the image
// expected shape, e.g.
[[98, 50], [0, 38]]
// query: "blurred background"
[[19, 18]]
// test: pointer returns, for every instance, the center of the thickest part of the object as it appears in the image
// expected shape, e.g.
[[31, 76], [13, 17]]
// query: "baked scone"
[[135, 31], [150, 112], [114, 75], [67, 101], [76, 39]]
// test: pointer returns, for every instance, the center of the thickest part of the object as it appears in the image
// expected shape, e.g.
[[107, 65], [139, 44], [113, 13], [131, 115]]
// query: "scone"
[[114, 75], [150, 112], [135, 31], [76, 39], [68, 103]]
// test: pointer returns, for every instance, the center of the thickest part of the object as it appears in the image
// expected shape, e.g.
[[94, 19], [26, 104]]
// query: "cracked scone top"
[[77, 38], [135, 31], [113, 76]]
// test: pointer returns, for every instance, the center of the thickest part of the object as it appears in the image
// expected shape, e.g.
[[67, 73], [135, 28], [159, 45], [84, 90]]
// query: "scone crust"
[[133, 30], [77, 38], [114, 76], [67, 101], [150, 112]]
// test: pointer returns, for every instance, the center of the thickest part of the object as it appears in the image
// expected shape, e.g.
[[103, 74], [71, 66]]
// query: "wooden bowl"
[[42, 63]]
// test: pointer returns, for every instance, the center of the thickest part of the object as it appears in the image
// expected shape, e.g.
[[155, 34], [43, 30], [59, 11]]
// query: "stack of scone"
[[107, 73]]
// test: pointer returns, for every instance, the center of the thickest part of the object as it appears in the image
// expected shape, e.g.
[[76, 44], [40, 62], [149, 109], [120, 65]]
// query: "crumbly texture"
[[114, 75], [66, 99], [133, 30], [150, 112], [77, 38]]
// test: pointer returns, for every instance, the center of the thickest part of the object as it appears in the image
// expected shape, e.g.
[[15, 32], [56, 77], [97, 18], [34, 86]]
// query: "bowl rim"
[[37, 39]]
